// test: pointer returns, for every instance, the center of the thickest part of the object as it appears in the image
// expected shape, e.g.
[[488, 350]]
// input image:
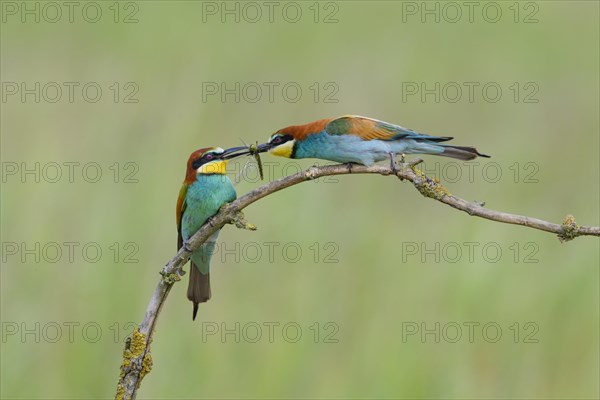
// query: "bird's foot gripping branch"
[[136, 358]]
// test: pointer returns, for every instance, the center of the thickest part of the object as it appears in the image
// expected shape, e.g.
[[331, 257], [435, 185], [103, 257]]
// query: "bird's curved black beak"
[[234, 152]]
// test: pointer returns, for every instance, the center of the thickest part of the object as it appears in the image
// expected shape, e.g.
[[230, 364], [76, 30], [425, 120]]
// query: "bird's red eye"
[[209, 156], [276, 140]]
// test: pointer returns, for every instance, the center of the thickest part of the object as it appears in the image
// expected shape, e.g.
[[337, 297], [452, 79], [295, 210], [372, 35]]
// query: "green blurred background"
[[64, 321]]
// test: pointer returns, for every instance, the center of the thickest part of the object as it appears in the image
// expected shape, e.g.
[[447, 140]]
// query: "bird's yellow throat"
[[284, 150], [215, 167]]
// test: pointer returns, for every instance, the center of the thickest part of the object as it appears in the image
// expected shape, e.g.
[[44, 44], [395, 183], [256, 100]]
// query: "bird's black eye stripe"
[[207, 157], [280, 139]]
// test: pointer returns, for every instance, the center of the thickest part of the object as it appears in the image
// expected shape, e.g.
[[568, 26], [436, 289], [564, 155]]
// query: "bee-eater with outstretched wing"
[[205, 189], [360, 140]]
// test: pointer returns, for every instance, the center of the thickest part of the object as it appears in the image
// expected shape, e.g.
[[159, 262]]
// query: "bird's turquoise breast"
[[203, 199], [342, 148]]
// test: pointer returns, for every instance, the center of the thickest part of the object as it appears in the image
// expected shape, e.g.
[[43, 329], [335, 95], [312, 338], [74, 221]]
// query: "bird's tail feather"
[[461, 152], [446, 150], [198, 288]]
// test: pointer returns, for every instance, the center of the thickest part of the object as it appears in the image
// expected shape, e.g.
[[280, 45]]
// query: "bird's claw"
[[349, 166], [186, 246], [393, 162]]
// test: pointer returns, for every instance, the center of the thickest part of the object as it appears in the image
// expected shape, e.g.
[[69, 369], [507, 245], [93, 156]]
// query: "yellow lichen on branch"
[[135, 346], [570, 229], [429, 187]]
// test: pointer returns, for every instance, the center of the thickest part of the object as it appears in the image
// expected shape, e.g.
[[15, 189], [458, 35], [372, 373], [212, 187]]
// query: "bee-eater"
[[205, 189], [360, 140]]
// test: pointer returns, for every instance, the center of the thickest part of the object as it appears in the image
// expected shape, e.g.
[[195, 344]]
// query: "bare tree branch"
[[137, 361]]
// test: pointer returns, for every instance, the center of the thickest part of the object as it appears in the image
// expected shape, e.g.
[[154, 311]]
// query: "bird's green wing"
[[371, 129], [181, 205]]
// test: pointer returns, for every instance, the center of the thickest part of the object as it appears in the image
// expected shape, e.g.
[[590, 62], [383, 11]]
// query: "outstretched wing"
[[181, 205], [370, 129]]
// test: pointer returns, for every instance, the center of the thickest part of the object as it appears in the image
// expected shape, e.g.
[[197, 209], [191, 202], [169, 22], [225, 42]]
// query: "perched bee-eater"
[[360, 140], [205, 189]]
